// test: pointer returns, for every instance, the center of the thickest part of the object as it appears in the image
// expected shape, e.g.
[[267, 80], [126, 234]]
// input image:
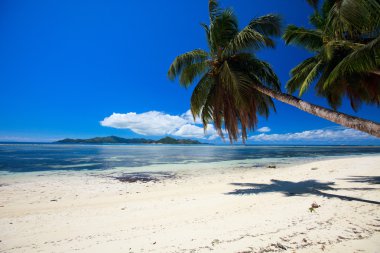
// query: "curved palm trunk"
[[370, 127]]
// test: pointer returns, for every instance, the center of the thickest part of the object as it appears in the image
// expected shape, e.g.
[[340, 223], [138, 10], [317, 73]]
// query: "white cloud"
[[190, 131], [157, 124], [189, 117], [214, 136], [264, 130], [327, 135], [193, 131], [147, 123]]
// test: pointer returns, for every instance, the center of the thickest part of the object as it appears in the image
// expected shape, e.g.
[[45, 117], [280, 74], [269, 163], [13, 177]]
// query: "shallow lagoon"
[[15, 158]]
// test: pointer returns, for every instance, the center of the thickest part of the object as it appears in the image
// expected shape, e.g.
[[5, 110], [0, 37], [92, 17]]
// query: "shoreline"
[[238, 209], [257, 163]]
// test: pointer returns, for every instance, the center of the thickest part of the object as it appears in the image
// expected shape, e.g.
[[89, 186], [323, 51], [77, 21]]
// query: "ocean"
[[20, 158]]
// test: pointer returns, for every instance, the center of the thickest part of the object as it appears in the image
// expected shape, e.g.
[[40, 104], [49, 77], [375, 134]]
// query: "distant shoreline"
[[201, 144], [120, 140]]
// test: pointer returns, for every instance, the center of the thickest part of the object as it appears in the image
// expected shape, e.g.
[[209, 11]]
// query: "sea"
[[37, 157]]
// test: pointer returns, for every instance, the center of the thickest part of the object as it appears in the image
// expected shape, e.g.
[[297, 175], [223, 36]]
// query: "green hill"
[[169, 140], [119, 140]]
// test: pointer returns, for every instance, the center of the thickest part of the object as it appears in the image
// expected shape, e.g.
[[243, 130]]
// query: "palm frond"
[[247, 39], [248, 63], [334, 95], [265, 105], [229, 81], [309, 39], [363, 60], [208, 37], [207, 111], [268, 25], [223, 29], [190, 72], [200, 94], [185, 60], [310, 77], [338, 46], [300, 73], [313, 3], [214, 10], [319, 18], [346, 47], [255, 35], [266, 75], [353, 17]]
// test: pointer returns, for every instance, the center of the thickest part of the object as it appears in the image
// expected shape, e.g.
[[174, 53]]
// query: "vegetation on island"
[[234, 86], [119, 140]]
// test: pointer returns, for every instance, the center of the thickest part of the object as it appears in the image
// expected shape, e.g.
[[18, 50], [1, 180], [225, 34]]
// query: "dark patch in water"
[[144, 177]]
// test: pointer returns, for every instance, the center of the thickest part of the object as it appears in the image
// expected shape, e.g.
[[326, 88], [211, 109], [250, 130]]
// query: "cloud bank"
[[334, 135], [157, 124]]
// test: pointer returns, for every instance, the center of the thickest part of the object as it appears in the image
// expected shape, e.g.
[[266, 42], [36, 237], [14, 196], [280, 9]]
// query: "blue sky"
[[67, 66]]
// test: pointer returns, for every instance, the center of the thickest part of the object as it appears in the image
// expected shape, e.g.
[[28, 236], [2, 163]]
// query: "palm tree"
[[224, 92], [346, 48], [234, 86]]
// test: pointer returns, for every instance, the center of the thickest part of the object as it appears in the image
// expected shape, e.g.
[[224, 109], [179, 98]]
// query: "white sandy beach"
[[229, 210]]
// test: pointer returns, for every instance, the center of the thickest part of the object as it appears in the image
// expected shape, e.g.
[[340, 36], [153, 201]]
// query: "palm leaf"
[[208, 37], [229, 81], [248, 63], [247, 39], [265, 105], [200, 94], [313, 3], [353, 17], [268, 25], [263, 102], [337, 46], [300, 73], [266, 74], [223, 29], [309, 39], [310, 77], [363, 60], [214, 10], [346, 48], [185, 60], [207, 110], [190, 72]]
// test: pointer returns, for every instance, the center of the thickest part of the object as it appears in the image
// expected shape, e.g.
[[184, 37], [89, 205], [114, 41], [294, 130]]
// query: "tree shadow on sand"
[[364, 179], [301, 188]]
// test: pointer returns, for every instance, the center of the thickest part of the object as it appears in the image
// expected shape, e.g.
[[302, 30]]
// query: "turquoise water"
[[18, 158]]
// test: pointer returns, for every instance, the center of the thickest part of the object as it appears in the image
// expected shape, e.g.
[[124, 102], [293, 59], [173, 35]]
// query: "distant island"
[[119, 140]]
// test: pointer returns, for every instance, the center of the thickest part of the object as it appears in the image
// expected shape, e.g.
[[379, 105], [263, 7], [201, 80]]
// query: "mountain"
[[108, 139], [169, 140], [119, 140]]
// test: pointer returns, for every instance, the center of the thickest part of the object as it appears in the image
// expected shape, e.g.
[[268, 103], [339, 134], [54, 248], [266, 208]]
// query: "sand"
[[226, 210]]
